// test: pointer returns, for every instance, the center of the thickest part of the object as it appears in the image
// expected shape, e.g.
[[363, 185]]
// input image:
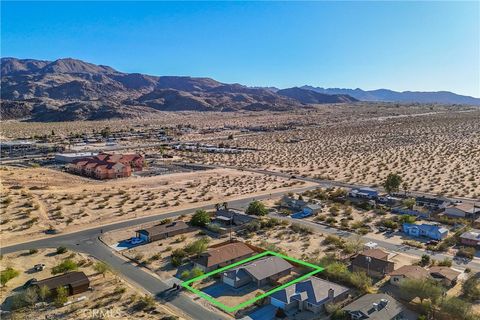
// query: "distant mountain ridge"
[[71, 89], [385, 95]]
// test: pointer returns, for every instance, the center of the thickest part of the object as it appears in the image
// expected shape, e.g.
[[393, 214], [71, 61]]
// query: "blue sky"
[[397, 45]]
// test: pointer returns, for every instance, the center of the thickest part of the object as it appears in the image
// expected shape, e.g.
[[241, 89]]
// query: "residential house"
[[260, 272], [408, 272], [447, 276], [430, 203], [74, 282], [379, 306], [364, 193], [471, 238], [163, 231], [312, 208], [373, 262], [311, 294], [292, 203], [231, 217], [425, 230], [223, 255], [462, 210]]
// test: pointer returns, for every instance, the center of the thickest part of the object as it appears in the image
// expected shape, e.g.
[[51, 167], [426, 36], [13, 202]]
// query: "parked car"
[[39, 267]]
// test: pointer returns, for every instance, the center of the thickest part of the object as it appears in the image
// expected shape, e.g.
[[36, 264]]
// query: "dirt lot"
[[435, 151], [109, 292], [34, 199]]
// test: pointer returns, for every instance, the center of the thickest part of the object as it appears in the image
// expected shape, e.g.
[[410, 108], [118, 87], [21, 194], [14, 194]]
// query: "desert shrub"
[[61, 250], [466, 252], [256, 208], [32, 251], [298, 228], [66, 265], [445, 262], [201, 218], [7, 275]]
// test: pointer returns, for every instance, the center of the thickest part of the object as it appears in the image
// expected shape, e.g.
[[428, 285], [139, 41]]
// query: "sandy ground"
[[434, 152], [36, 198], [102, 297]]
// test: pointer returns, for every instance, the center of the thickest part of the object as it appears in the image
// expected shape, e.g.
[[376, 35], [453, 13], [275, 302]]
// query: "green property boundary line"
[[186, 284]]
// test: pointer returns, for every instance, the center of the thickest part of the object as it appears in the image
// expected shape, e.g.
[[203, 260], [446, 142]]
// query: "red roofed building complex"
[[107, 166]]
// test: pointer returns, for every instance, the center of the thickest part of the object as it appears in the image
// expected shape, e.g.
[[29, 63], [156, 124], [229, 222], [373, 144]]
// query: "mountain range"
[[70, 89]]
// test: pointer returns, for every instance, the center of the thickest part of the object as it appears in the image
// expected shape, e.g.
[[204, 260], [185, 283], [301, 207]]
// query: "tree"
[[101, 268], [43, 293], [61, 296], [217, 206], [406, 218], [456, 308], [421, 288], [425, 260], [256, 208], [197, 246], [361, 281], [201, 218], [225, 205], [409, 203], [392, 183], [471, 288]]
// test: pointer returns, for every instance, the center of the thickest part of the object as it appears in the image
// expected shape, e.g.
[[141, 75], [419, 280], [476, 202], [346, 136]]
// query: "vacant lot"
[[35, 199], [434, 152]]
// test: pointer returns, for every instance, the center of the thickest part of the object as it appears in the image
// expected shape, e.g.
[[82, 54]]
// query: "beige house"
[[408, 272]]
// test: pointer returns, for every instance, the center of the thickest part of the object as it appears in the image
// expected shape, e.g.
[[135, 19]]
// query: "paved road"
[[473, 264], [87, 241]]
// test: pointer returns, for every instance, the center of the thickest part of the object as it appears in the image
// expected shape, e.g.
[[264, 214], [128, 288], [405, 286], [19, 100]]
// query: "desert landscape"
[[109, 294], [65, 202]]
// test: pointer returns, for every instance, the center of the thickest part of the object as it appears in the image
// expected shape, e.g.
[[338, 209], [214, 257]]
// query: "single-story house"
[[163, 231], [292, 203], [260, 272], [462, 210], [374, 262], [75, 282], [231, 217], [471, 238], [311, 294], [447, 276], [425, 230], [364, 193], [222, 256], [408, 272], [312, 208], [432, 203], [379, 306]]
